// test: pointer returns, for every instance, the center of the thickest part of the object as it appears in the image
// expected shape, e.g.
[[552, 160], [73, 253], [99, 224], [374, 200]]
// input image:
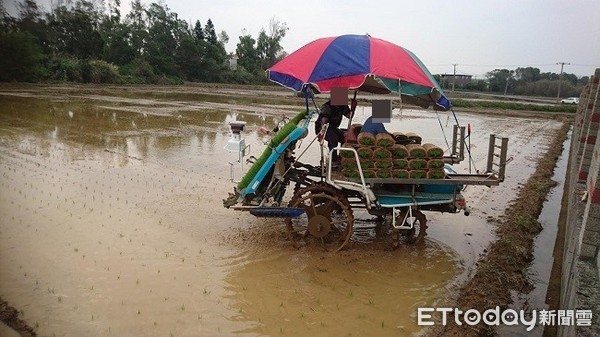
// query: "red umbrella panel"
[[359, 62]]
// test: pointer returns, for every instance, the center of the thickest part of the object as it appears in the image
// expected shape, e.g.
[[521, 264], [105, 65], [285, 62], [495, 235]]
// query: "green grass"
[[464, 103]]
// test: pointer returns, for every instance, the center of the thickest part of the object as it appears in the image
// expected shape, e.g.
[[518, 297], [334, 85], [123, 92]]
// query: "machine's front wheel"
[[327, 220], [414, 235]]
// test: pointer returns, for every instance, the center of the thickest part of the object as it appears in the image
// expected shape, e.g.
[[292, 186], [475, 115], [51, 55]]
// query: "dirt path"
[[112, 224]]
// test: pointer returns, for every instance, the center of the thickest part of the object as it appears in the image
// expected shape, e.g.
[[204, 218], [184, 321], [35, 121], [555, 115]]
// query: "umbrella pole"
[[351, 112], [400, 97], [306, 97]]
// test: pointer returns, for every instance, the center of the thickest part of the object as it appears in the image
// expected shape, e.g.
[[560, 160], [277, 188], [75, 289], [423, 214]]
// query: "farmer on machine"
[[333, 115]]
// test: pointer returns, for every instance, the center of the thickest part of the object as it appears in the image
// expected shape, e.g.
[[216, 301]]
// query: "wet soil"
[[112, 222], [504, 270], [10, 317]]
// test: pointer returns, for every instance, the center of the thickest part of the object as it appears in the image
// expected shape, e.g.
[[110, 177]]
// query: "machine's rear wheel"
[[327, 220], [416, 234]]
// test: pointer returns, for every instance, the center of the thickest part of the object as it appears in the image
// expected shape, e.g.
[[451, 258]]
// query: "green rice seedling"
[[381, 153], [436, 174], [369, 173], [383, 173], [417, 164], [365, 138], [366, 164], [400, 163], [417, 174], [348, 154], [435, 163], [365, 152], [384, 163]]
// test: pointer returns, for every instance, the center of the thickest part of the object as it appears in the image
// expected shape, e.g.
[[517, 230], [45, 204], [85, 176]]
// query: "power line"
[[495, 65], [585, 65]]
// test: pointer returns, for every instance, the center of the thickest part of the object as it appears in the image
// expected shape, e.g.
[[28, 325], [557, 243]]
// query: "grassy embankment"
[[516, 106]]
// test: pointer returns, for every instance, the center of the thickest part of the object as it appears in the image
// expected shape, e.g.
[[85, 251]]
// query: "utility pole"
[[508, 78], [454, 77], [560, 77]]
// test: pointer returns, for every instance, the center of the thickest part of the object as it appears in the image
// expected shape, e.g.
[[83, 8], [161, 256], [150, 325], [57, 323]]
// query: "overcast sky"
[[477, 35]]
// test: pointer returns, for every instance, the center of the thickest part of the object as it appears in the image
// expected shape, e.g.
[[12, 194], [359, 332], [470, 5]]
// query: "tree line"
[[92, 42], [528, 81]]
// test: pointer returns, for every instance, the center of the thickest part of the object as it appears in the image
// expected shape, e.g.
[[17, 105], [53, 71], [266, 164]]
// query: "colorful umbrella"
[[359, 62]]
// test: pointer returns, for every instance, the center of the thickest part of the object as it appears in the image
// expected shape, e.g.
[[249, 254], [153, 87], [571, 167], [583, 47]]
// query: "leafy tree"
[[583, 80], [498, 79], [29, 17], [115, 11], [7, 22], [549, 76], [247, 53], [20, 57], [136, 24], [91, 41], [165, 31], [269, 46], [117, 48], [198, 32], [223, 38], [571, 78], [525, 75], [209, 32], [214, 51], [74, 31], [477, 85], [139, 71], [189, 58], [116, 36]]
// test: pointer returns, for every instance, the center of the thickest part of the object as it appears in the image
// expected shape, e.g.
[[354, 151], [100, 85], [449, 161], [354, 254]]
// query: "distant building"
[[460, 80], [233, 58]]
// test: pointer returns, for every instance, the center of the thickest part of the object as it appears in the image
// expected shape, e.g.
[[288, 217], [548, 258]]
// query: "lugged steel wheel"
[[416, 234], [327, 220]]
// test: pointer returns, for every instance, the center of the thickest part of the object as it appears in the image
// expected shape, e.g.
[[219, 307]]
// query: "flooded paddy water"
[[111, 220]]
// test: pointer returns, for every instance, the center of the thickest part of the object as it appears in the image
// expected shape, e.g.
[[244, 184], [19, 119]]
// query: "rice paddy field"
[[112, 223]]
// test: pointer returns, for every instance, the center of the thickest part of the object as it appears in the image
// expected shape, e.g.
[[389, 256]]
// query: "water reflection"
[[190, 138], [360, 293]]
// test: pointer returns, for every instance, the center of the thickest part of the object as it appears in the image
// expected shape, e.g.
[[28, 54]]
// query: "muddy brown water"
[[112, 223]]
